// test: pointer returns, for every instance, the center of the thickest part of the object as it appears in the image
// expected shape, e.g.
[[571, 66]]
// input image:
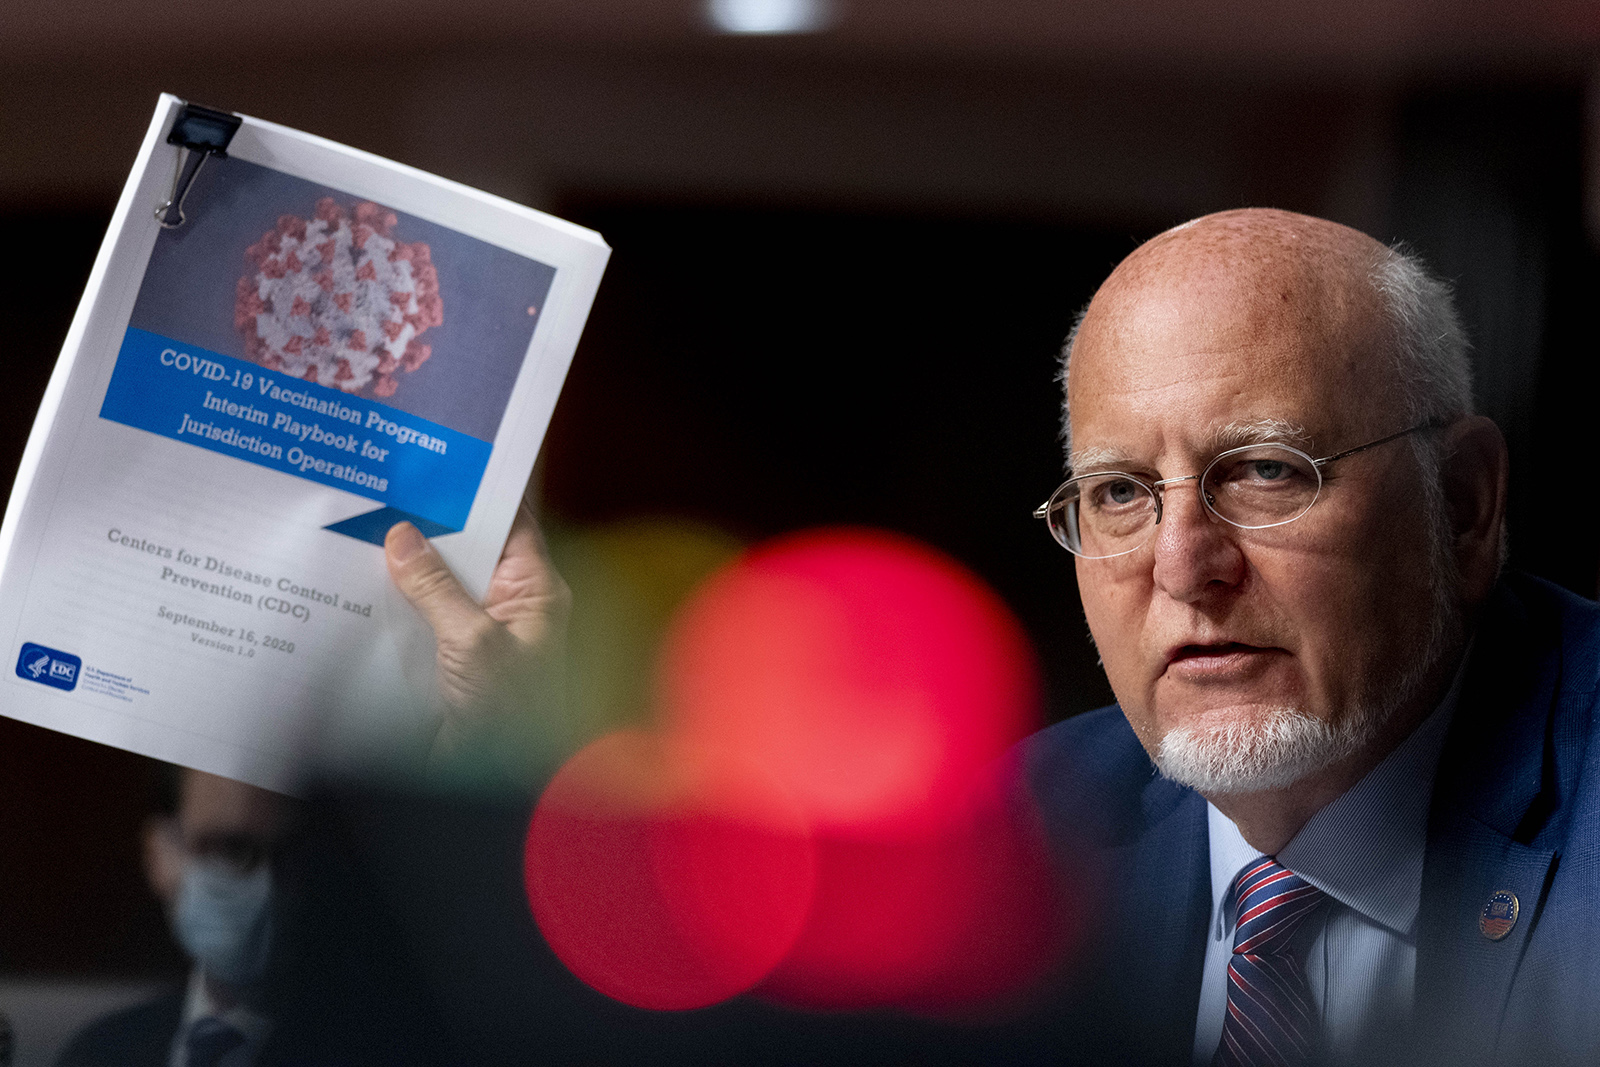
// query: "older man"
[[1369, 821]]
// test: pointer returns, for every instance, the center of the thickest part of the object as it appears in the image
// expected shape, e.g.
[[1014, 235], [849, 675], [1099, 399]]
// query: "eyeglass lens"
[[1102, 515]]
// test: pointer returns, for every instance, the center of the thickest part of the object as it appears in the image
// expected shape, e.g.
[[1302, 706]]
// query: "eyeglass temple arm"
[[1435, 424]]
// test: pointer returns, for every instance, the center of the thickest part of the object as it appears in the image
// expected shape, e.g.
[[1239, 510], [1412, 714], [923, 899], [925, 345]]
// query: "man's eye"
[[1246, 472], [1122, 492], [1116, 493]]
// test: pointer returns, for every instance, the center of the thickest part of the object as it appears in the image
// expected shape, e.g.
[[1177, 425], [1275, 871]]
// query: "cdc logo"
[[48, 667]]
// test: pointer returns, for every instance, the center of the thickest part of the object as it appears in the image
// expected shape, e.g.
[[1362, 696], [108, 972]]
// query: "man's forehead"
[[1093, 455], [1226, 305], [1193, 327]]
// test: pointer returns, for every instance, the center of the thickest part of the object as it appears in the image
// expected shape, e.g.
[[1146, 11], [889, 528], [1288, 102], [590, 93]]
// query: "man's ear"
[[1475, 473], [163, 856]]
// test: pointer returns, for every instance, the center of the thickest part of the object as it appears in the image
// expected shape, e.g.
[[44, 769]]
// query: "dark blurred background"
[[844, 261]]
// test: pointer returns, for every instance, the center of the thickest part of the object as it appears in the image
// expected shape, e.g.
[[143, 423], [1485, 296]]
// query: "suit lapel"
[[1163, 889], [1464, 978], [1489, 802]]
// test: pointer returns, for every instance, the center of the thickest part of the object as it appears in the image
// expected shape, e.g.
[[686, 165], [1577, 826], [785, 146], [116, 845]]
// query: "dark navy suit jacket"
[[140, 1036], [1516, 806]]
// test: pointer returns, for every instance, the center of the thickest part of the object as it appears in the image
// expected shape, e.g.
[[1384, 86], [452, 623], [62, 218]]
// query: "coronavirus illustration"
[[338, 300]]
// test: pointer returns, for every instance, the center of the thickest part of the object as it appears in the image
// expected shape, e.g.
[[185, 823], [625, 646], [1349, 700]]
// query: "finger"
[[422, 575], [525, 592], [526, 538]]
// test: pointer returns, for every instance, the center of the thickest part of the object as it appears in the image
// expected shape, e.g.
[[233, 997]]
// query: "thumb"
[[422, 575]]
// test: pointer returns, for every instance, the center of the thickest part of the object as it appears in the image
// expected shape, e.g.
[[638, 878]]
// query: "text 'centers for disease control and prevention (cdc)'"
[[246, 588]]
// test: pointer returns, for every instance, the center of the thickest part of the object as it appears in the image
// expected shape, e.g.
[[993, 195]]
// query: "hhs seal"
[[48, 667]]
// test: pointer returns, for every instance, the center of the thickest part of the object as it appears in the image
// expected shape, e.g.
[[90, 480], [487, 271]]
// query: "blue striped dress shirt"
[[1365, 851]]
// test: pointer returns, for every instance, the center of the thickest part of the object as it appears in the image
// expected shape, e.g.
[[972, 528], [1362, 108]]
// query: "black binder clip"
[[203, 132]]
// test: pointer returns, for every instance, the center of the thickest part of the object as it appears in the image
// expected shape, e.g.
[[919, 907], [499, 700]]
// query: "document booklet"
[[286, 346]]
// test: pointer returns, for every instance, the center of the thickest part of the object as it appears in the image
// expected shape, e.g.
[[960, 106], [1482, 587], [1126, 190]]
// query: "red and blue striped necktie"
[[1271, 1019]]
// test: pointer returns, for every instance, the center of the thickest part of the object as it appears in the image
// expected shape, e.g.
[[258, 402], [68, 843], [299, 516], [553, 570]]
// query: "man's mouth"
[[1223, 658]]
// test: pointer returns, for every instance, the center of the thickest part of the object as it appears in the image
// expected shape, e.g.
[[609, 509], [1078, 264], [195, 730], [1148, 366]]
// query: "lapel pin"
[[1499, 915]]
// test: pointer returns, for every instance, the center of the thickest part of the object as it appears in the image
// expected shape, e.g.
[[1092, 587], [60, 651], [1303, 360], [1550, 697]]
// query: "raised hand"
[[496, 659]]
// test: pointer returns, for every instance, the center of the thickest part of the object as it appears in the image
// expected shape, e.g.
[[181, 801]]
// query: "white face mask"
[[223, 919]]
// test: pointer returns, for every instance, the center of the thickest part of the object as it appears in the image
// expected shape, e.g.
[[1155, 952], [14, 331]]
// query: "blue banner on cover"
[[319, 433]]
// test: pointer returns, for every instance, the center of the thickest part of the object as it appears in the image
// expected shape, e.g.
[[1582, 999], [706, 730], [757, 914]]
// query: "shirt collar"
[[198, 1003], [1365, 848]]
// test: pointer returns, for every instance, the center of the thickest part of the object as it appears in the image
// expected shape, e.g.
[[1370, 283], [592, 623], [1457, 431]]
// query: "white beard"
[[1266, 753]]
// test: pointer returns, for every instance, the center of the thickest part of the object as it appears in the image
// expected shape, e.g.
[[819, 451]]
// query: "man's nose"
[[1195, 552]]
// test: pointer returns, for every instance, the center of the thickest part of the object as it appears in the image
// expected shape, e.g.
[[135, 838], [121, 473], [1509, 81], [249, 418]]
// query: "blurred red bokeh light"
[[872, 675], [667, 877], [861, 689], [956, 921]]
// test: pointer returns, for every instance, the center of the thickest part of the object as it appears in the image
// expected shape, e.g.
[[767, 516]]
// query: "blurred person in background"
[[1344, 803], [210, 861]]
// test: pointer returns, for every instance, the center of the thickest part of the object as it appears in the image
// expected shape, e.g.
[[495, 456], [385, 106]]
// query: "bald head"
[[1260, 241], [1312, 297], [1270, 359]]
